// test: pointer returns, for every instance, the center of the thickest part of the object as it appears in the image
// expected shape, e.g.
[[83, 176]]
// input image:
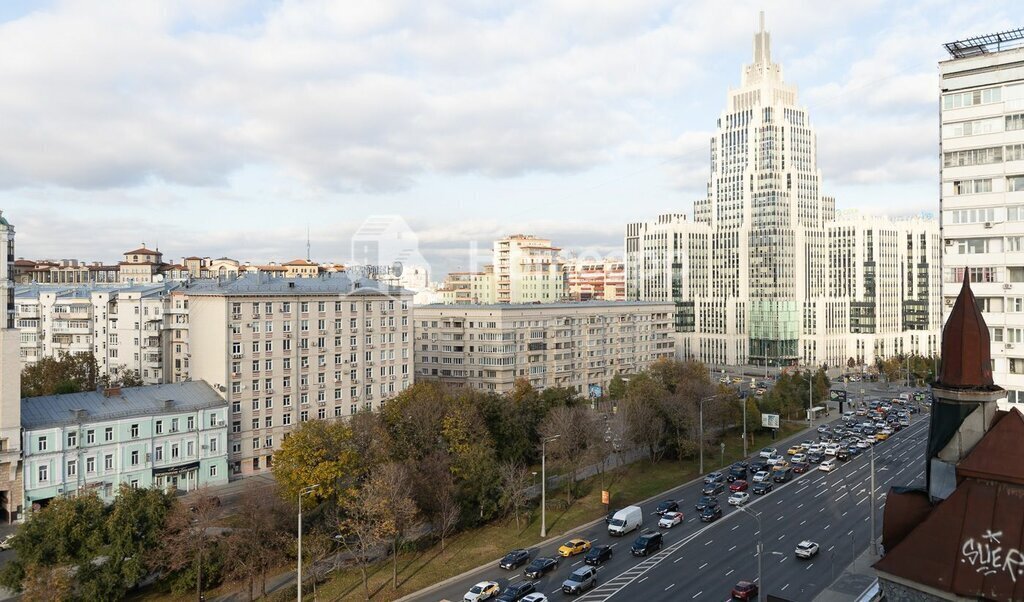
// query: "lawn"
[[634, 483]]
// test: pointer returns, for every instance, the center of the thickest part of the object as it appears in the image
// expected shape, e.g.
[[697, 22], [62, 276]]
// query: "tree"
[[436, 493], [318, 453], [577, 431], [362, 529], [645, 425], [617, 388], [473, 459], [390, 485], [188, 548], [133, 526], [121, 375], [67, 373], [515, 479], [262, 542], [317, 546]]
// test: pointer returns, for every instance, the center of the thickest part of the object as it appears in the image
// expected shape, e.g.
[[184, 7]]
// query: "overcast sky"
[[227, 127]]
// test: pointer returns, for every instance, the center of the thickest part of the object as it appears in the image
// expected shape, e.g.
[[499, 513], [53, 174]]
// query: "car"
[[670, 519], [611, 515], [801, 457], [739, 498], [775, 460], [666, 506], [848, 416], [744, 590], [540, 566], [815, 457], [574, 547], [711, 513], [763, 487], [515, 592], [736, 472], [824, 429], [843, 454], [805, 444], [712, 489], [781, 475], [537, 597], [762, 476], [759, 392], [801, 467], [740, 485], [705, 501], [649, 541], [881, 436], [485, 590], [597, 555], [514, 559], [7, 542], [794, 449], [806, 549], [853, 450], [580, 580], [828, 465], [714, 477], [768, 452], [864, 443], [831, 449], [756, 467]]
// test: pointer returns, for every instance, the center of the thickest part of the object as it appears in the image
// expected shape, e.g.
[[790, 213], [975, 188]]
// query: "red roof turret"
[[966, 349]]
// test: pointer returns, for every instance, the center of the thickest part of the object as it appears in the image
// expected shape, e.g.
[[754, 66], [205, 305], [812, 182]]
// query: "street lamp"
[[702, 428], [760, 551], [302, 492], [871, 539], [543, 485]]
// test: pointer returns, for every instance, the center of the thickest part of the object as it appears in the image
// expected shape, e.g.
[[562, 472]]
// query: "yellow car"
[[796, 449], [573, 547], [882, 436]]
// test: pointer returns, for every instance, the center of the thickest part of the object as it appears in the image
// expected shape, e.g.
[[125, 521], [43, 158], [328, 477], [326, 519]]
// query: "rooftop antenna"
[[307, 243]]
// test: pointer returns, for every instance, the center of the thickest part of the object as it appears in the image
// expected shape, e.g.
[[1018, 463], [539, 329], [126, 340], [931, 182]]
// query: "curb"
[[483, 567]]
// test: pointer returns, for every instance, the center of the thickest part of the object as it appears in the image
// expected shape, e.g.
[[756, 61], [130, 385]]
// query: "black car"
[[597, 555], [781, 475], [715, 477], [711, 514], [736, 472], [853, 450], [611, 515], [713, 489], [842, 454], [756, 467], [649, 541], [762, 488], [517, 591], [800, 467], [514, 559], [667, 506], [815, 457], [540, 567], [705, 501]]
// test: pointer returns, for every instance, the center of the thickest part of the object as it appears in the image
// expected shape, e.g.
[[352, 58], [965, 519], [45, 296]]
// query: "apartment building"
[[767, 274], [982, 179], [63, 271], [170, 436], [577, 345], [595, 279], [11, 488], [527, 269], [283, 351]]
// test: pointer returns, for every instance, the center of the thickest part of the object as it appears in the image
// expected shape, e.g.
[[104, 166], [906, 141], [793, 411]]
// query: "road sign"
[[606, 498], [770, 421]]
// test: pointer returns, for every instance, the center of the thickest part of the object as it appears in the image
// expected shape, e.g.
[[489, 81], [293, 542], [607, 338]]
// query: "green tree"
[[121, 375], [318, 453], [473, 459], [617, 388], [67, 373], [645, 424], [134, 525]]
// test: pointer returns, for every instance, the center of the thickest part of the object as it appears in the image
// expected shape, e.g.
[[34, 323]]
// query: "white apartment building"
[[982, 179], [122, 325], [758, 276], [594, 279], [283, 351], [169, 436], [577, 345], [11, 489], [527, 269]]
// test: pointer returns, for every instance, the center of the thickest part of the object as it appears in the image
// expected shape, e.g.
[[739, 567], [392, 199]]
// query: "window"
[[174, 451], [213, 420], [191, 422], [973, 156], [41, 444], [158, 453], [268, 442], [108, 462], [159, 427], [190, 449], [957, 100], [135, 431], [972, 216], [108, 434], [1014, 183], [213, 444], [971, 128], [72, 468], [134, 458], [1016, 366], [90, 465], [174, 425], [972, 186], [44, 473], [213, 470], [1015, 122], [73, 439]]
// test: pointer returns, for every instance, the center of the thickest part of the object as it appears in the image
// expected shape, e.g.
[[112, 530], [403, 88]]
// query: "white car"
[[7, 542], [485, 590], [828, 465], [739, 498], [848, 416], [535, 597], [831, 449], [775, 459], [768, 452], [814, 449], [806, 549], [806, 445], [670, 519], [800, 457], [762, 476]]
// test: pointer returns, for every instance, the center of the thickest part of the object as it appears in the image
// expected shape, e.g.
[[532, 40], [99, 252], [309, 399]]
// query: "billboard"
[[594, 391], [770, 421], [837, 395]]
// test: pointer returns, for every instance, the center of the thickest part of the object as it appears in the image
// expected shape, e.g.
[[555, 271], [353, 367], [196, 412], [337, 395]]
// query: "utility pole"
[[810, 398], [543, 485], [760, 552], [302, 492], [872, 502], [743, 400], [702, 429]]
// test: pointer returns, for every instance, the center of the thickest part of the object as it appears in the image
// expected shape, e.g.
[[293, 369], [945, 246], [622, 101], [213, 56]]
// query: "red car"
[[744, 590], [739, 485]]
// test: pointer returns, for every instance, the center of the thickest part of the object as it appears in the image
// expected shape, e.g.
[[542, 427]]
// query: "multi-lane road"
[[704, 560]]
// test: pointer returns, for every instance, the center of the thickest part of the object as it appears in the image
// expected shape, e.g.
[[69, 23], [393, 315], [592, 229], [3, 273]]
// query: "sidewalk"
[[854, 583]]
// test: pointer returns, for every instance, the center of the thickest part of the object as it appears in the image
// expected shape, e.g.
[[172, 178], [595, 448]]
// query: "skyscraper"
[[10, 385], [765, 273]]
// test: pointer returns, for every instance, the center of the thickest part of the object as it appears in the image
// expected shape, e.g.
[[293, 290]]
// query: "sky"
[[234, 127]]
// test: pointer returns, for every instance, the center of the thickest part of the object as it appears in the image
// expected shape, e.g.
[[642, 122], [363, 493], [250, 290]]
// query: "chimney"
[[112, 391], [168, 404], [965, 394]]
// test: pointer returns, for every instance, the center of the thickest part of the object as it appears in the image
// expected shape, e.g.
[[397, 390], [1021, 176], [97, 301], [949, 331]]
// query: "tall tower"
[[766, 212], [10, 385]]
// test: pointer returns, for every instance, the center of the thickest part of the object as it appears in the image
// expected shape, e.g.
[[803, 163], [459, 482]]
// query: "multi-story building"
[[576, 345], [527, 269], [63, 271], [595, 279], [283, 351], [982, 179], [11, 490], [122, 325], [468, 287], [756, 276], [169, 436]]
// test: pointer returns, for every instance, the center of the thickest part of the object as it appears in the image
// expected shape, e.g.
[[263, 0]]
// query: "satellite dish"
[[396, 269]]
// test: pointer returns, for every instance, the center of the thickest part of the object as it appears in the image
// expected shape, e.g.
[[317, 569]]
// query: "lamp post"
[[544, 485], [760, 551], [743, 402], [810, 397], [702, 428], [302, 492], [874, 549]]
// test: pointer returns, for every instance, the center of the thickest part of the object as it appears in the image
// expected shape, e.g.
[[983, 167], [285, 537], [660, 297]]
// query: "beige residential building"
[[11, 487], [595, 279], [283, 351], [141, 265], [527, 269], [577, 345]]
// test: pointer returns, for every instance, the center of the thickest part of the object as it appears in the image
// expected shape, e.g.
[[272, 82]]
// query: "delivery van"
[[626, 520]]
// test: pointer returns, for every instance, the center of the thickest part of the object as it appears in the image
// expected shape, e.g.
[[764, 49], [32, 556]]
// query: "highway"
[[703, 561]]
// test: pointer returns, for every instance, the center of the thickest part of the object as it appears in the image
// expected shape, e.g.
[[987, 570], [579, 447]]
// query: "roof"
[[59, 410], [998, 455], [966, 350], [559, 305], [302, 262], [143, 251], [254, 284]]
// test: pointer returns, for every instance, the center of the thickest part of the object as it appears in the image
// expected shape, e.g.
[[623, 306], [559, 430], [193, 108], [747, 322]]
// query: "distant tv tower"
[[307, 243]]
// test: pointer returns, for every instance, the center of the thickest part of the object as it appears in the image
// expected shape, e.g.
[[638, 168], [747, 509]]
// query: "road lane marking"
[[731, 571], [784, 587], [702, 566], [781, 536], [803, 522], [642, 580], [734, 528], [678, 559], [732, 548], [698, 594], [670, 586], [709, 542]]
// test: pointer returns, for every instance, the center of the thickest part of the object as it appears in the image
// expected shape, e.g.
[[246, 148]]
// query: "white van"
[[626, 520]]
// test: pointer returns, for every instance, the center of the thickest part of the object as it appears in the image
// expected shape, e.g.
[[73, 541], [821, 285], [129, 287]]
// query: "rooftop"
[[561, 305], [60, 410], [257, 284], [986, 44]]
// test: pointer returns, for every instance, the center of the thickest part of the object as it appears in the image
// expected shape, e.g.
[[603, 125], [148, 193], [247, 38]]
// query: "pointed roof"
[[762, 44], [999, 455], [966, 349], [143, 251]]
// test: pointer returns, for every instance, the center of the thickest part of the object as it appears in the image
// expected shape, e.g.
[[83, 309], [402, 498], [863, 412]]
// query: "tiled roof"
[[142, 251], [966, 350]]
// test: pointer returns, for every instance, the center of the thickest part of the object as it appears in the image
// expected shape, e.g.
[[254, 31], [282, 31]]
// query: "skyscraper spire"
[[762, 44]]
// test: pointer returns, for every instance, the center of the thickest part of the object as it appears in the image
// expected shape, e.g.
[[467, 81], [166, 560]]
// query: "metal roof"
[[60, 410], [560, 305], [985, 44], [257, 284]]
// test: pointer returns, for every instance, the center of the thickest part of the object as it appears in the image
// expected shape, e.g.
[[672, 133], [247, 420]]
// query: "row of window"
[[983, 156], [321, 306]]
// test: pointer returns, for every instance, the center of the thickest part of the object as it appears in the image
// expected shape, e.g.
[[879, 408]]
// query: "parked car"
[[744, 590], [540, 566], [740, 485], [580, 580], [485, 590], [515, 592], [739, 498], [806, 549], [574, 547], [514, 559], [670, 519], [649, 541], [598, 555]]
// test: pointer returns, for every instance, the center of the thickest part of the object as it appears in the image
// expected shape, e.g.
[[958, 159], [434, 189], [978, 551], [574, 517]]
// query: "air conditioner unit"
[[322, 385], [1008, 346], [220, 423], [949, 242], [988, 224], [204, 446], [1007, 287]]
